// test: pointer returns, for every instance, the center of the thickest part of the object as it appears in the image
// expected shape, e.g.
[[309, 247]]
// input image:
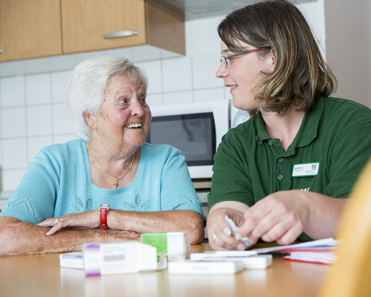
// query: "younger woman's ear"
[[271, 59], [91, 120]]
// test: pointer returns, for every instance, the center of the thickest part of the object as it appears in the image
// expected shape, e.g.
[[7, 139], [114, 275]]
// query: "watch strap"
[[103, 210]]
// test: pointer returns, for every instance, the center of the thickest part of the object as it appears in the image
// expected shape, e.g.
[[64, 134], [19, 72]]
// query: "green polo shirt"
[[326, 156]]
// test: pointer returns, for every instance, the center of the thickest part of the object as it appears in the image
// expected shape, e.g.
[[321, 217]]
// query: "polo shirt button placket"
[[270, 142]]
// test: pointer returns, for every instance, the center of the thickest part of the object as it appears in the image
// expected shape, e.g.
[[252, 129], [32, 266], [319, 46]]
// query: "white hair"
[[85, 91]]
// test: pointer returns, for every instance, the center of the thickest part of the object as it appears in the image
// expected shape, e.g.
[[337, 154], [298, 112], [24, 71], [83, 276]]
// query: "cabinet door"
[[29, 29], [86, 22]]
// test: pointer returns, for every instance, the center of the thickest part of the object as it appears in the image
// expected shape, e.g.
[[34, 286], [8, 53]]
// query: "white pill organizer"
[[250, 259], [72, 260], [221, 254], [205, 267], [120, 257], [253, 262]]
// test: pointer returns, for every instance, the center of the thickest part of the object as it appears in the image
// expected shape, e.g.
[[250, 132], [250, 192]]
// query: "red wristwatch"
[[103, 209]]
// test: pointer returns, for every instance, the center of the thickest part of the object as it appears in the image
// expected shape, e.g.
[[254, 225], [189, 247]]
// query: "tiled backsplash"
[[32, 109]]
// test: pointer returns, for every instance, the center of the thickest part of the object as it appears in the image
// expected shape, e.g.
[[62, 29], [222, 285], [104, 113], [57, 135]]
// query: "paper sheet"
[[327, 242]]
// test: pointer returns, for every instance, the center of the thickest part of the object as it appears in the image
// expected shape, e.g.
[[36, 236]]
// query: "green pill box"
[[169, 243]]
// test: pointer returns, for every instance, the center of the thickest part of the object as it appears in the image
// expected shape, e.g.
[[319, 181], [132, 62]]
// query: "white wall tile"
[[14, 153], [119, 52], [1, 155], [202, 36], [87, 56], [13, 91], [154, 74], [63, 63], [314, 14], [178, 97], [13, 122], [62, 120], [145, 53], [208, 95], [40, 65], [59, 85], [63, 138], [169, 55], [177, 74], [35, 144], [154, 99], [11, 68], [39, 120], [38, 89], [11, 179], [203, 69]]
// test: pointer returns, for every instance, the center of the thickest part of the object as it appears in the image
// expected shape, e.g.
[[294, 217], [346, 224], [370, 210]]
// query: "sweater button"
[[280, 177]]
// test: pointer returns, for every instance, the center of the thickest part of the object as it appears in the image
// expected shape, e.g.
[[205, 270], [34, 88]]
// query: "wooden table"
[[40, 275]]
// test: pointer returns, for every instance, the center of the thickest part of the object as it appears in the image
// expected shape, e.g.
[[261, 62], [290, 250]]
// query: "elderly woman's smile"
[[134, 126]]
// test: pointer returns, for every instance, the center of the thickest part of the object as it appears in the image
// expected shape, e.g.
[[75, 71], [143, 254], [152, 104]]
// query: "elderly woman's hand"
[[80, 220], [118, 235]]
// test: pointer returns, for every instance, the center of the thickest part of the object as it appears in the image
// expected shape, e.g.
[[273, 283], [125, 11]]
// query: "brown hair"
[[300, 72]]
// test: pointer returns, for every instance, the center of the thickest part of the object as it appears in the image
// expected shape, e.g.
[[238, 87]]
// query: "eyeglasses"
[[224, 59]]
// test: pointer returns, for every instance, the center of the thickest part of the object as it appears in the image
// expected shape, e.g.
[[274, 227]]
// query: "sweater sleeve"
[[34, 198], [347, 158], [177, 191]]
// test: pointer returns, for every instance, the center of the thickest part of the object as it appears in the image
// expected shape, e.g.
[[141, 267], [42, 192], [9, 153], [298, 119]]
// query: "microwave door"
[[193, 134]]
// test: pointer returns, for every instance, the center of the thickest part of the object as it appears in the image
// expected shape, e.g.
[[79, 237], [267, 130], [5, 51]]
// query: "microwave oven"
[[196, 129]]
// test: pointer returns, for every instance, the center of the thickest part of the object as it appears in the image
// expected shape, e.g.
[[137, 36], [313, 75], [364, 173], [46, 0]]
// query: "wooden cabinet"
[[29, 29], [41, 28], [86, 22]]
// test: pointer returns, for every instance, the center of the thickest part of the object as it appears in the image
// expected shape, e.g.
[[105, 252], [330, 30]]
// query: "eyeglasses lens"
[[223, 60]]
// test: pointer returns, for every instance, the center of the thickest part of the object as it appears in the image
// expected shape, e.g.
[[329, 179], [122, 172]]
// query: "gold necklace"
[[116, 179]]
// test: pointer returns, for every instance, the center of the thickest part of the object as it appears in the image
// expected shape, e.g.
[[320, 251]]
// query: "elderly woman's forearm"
[[20, 238], [162, 221]]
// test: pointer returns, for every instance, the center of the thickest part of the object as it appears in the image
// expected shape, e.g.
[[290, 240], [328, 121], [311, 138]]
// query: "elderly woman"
[[109, 185], [281, 176]]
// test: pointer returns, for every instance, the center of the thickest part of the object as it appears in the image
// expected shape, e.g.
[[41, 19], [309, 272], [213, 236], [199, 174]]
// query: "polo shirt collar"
[[308, 128], [261, 133]]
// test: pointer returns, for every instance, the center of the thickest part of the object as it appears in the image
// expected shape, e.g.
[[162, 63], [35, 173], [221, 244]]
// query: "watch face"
[[104, 206]]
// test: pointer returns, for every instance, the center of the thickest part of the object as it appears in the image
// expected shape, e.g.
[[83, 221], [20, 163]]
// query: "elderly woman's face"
[[125, 116]]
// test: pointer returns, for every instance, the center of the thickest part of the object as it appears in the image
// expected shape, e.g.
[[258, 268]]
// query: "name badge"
[[306, 169]]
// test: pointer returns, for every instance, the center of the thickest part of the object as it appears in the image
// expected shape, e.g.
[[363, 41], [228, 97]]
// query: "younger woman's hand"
[[279, 217], [218, 231]]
